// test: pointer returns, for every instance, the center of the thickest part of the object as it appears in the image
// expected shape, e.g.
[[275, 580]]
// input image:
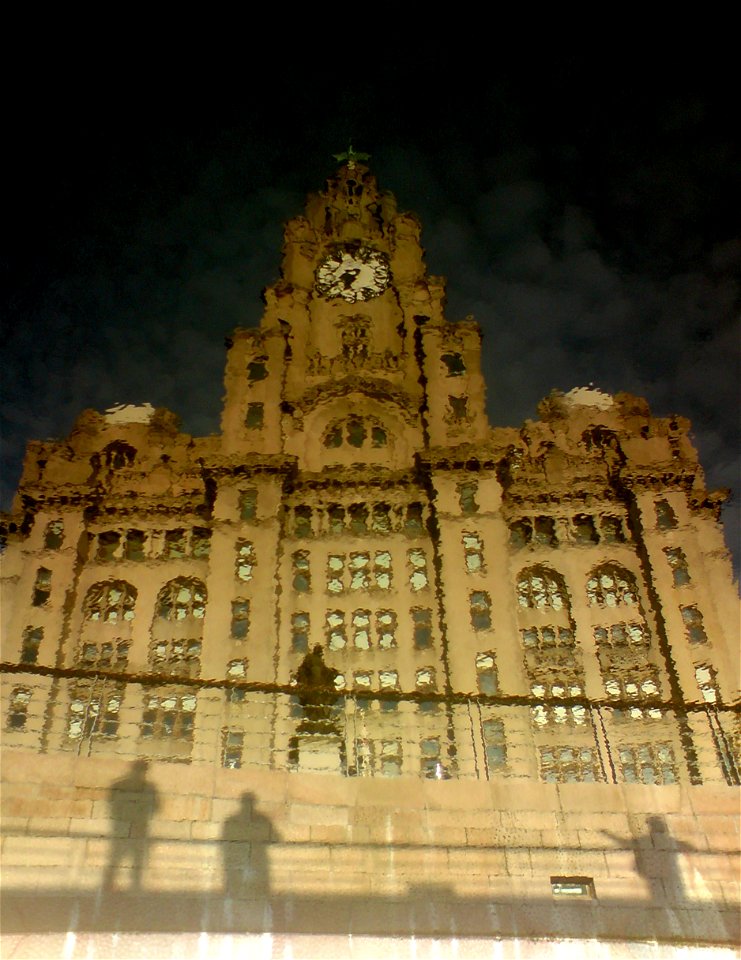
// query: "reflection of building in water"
[[161, 591]]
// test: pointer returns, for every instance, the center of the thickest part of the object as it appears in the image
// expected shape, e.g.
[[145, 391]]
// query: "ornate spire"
[[351, 157]]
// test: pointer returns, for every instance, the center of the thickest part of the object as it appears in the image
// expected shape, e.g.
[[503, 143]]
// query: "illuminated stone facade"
[[551, 604]]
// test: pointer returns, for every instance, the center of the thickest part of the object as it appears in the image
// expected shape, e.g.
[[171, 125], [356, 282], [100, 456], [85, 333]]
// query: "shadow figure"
[[656, 860], [315, 682], [245, 838], [132, 801]]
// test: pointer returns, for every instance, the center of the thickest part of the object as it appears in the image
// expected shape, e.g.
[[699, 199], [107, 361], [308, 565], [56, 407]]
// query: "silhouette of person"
[[245, 837], [132, 801], [314, 680], [656, 861]]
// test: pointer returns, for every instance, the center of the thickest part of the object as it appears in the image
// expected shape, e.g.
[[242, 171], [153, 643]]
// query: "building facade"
[[359, 575]]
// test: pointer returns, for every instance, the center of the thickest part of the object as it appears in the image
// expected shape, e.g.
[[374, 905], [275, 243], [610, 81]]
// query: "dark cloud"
[[587, 219]]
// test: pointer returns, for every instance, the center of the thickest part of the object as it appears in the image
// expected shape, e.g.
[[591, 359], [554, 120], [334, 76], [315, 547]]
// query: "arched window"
[[118, 455], [358, 432], [111, 601], [177, 630], [611, 586], [181, 598], [539, 588]]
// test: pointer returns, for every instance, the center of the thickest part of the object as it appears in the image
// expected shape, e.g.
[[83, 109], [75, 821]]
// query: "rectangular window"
[[200, 543], [390, 758], [417, 562], [54, 535], [335, 630], [300, 632], [611, 530], [467, 498], [544, 531], [381, 518], [336, 515], [32, 637], [480, 610], [495, 744], [678, 563], [358, 519], [245, 562], [248, 504], [426, 683], [666, 519], [429, 758], [422, 623], [301, 571], [41, 587], [359, 567], [254, 418], [486, 674], [231, 752], [583, 529], [388, 680], [18, 713], [457, 407], [175, 544], [693, 625], [336, 573], [386, 629], [473, 550], [108, 543], [568, 765], [171, 716], [361, 629], [573, 888], [240, 619], [257, 369], [135, 545], [414, 520], [706, 681], [648, 763], [302, 521], [382, 570]]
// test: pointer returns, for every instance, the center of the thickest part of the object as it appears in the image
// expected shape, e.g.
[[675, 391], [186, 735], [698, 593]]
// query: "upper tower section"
[[354, 324]]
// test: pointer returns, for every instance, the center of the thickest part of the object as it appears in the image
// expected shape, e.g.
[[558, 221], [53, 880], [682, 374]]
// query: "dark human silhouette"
[[655, 856], [315, 681], [132, 801], [245, 837]]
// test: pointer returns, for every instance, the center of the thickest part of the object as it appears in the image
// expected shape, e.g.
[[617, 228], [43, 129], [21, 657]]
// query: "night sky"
[[587, 216]]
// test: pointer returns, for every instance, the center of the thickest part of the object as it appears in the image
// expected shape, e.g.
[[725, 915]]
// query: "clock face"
[[357, 273]]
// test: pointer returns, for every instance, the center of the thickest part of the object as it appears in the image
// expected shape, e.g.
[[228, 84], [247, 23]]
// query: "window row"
[[581, 528], [359, 519], [652, 763], [194, 543], [362, 629], [347, 573], [358, 432]]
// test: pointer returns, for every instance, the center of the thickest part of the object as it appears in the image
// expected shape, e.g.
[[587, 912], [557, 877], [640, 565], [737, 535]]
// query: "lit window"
[[430, 765], [382, 569], [245, 562], [361, 629], [707, 683], [540, 589], [611, 586], [335, 572], [170, 716], [359, 568], [111, 601], [134, 545], [175, 544], [390, 758], [181, 599], [418, 578], [18, 713], [335, 629], [200, 543], [486, 674], [386, 629], [473, 549]]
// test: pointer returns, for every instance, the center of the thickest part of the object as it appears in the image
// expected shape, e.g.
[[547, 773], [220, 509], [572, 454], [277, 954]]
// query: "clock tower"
[[354, 323]]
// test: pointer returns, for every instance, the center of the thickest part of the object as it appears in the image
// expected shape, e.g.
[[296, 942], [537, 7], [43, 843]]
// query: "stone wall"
[[278, 854]]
